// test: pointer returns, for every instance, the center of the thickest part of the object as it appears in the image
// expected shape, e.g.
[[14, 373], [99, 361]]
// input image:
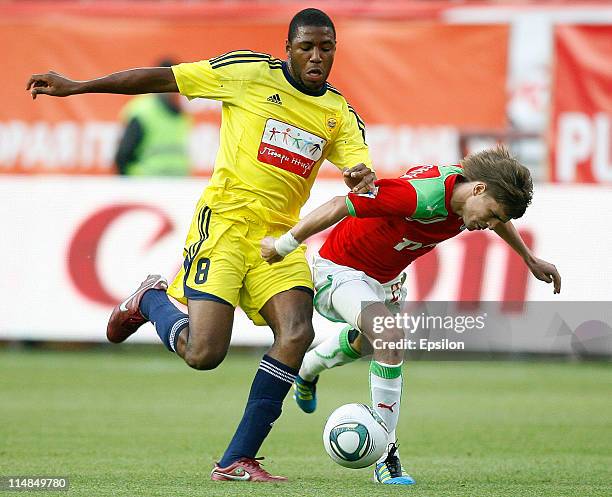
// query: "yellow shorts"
[[223, 263]]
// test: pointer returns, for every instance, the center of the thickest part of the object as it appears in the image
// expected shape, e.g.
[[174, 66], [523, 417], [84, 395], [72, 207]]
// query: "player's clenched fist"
[[359, 178], [268, 250], [51, 83]]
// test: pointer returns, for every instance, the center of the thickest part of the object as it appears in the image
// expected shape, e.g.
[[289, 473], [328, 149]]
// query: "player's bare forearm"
[[273, 250], [508, 233], [130, 82], [320, 219], [134, 81]]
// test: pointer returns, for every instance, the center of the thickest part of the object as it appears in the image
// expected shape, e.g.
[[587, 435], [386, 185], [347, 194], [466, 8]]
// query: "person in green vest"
[[156, 137]]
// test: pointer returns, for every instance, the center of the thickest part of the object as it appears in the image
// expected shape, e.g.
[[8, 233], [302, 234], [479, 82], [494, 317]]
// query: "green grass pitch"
[[140, 423]]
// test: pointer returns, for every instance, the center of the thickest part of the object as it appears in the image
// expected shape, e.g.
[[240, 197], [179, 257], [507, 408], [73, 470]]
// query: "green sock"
[[335, 351]]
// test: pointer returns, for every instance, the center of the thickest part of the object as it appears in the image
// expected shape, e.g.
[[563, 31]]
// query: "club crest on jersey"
[[331, 122], [290, 148], [413, 173]]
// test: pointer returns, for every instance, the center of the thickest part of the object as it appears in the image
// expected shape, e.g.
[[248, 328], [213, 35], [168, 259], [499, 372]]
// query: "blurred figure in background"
[[156, 137]]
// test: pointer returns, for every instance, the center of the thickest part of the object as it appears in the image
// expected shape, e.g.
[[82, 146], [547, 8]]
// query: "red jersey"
[[406, 218]]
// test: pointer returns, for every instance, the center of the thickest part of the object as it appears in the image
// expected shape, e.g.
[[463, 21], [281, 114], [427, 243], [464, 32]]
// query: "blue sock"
[[270, 386], [168, 320]]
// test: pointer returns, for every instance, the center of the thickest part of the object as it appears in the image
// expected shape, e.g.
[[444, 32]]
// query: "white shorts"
[[341, 291]]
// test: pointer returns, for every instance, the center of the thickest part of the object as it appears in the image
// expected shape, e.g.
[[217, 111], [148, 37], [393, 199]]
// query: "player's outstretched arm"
[[130, 82], [542, 270], [324, 216]]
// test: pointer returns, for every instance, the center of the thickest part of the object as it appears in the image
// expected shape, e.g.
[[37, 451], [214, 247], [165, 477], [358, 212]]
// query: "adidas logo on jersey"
[[275, 99]]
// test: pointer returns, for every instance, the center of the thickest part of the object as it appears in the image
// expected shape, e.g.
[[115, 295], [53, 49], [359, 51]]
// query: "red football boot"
[[245, 469], [126, 317]]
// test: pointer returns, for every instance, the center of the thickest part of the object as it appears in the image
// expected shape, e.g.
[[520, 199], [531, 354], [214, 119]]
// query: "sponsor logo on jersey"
[[290, 148], [275, 99]]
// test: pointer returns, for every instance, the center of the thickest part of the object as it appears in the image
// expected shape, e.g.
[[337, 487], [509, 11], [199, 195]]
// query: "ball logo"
[[350, 441]]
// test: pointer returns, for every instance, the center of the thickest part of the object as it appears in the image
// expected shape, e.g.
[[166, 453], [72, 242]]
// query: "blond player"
[[360, 266]]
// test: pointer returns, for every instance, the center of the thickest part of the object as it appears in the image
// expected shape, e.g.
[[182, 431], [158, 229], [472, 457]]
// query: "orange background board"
[[393, 71]]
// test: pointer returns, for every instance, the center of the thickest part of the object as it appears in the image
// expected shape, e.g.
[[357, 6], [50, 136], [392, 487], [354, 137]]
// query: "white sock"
[[335, 351], [386, 390]]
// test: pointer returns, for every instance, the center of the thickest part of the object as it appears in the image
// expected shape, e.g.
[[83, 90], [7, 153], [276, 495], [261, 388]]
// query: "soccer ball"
[[355, 436]]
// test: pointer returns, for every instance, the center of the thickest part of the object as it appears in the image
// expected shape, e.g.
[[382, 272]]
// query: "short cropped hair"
[[309, 17], [166, 62], [507, 180]]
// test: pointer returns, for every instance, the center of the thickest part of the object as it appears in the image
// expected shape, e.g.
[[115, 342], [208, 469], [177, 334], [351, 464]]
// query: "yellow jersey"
[[274, 134]]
